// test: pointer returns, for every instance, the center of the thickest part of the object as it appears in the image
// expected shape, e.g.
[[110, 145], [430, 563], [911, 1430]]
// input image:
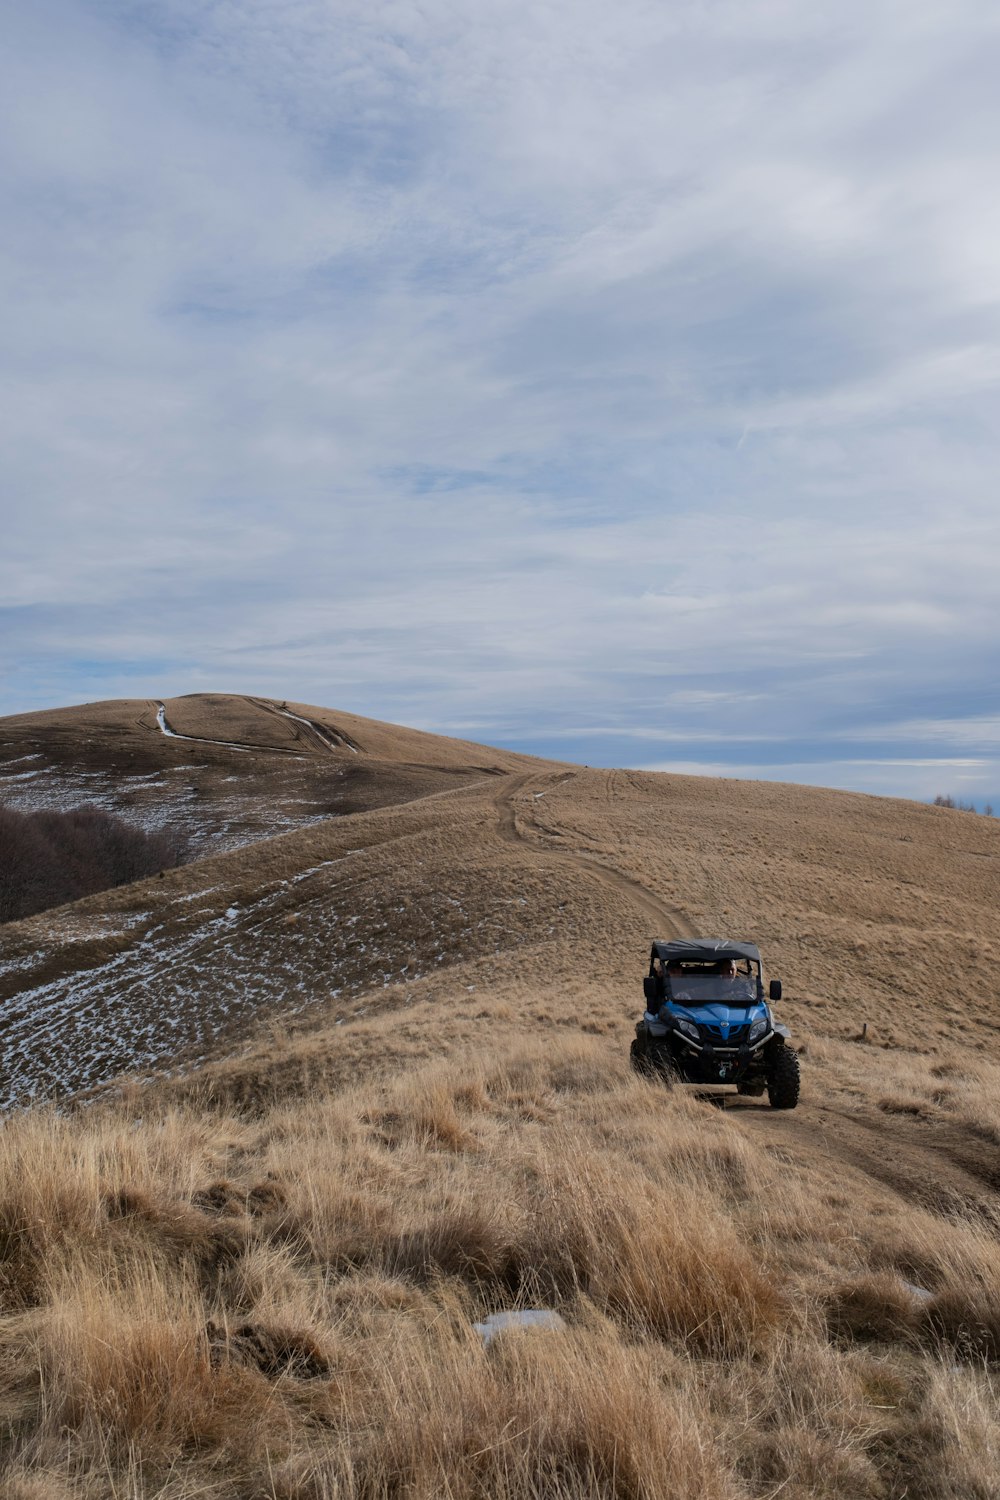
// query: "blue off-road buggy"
[[707, 1021]]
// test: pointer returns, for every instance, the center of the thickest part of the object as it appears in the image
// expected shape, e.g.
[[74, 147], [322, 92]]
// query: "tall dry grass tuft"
[[958, 1440], [522, 1219], [661, 1259], [955, 1261], [967, 1320], [50, 1200], [136, 1371], [569, 1415]]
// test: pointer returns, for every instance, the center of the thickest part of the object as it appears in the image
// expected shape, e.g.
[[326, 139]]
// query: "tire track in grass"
[[931, 1164], [328, 739], [668, 921]]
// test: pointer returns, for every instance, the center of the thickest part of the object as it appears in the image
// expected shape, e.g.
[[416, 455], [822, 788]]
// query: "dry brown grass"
[[199, 1304], [260, 1277]]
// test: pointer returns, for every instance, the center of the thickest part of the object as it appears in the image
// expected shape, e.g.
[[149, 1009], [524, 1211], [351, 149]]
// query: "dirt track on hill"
[[667, 921], [933, 1164]]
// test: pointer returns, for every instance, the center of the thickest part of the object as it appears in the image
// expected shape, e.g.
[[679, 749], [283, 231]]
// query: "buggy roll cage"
[[702, 951]]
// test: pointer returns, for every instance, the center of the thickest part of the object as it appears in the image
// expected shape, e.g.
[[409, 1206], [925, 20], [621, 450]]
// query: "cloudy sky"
[[618, 382]]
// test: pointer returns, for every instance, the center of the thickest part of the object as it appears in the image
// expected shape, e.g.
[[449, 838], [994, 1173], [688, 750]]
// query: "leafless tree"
[[48, 858]]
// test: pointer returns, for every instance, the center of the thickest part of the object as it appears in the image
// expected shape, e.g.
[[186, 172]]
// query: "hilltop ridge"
[[241, 721], [226, 769]]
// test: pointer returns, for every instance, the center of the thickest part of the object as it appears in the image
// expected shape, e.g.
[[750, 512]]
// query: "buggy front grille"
[[713, 1035]]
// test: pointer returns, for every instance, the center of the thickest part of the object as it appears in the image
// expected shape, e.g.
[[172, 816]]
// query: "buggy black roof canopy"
[[703, 950]]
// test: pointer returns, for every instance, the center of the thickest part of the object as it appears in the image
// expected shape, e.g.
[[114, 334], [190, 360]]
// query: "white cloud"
[[917, 779], [979, 732], [549, 366]]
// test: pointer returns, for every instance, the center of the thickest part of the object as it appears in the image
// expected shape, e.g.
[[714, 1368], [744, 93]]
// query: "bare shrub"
[[49, 858], [944, 800]]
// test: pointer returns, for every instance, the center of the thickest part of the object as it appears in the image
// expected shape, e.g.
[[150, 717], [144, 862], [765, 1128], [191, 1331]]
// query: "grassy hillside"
[[225, 770], [386, 1096]]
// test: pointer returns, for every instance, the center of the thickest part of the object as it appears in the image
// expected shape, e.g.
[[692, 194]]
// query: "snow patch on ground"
[[216, 825], [195, 739]]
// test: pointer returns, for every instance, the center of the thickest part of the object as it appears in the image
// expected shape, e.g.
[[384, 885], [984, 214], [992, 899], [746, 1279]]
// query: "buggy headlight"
[[758, 1028], [688, 1028]]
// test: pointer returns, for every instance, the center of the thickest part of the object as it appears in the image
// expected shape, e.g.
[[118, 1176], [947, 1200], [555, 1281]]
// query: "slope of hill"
[[388, 1096], [221, 768]]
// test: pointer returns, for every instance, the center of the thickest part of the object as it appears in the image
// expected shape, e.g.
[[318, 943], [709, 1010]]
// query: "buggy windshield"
[[718, 989]]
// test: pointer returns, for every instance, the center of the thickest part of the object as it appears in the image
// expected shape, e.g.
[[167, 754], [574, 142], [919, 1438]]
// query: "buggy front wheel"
[[783, 1079], [639, 1060]]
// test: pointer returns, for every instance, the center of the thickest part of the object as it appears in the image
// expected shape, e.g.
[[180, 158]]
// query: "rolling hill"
[[376, 1043]]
